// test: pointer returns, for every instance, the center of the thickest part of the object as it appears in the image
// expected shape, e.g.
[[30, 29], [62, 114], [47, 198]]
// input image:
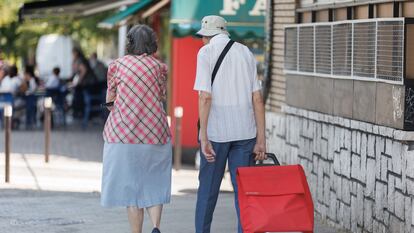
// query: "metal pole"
[[8, 111], [47, 125], [178, 113]]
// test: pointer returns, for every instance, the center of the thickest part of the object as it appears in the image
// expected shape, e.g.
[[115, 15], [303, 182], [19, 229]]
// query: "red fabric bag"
[[274, 199]]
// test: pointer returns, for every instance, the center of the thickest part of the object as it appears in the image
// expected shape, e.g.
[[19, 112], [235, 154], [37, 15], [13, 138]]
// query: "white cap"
[[212, 25]]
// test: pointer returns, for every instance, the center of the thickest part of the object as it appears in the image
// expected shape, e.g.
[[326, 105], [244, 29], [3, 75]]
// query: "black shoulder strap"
[[220, 60]]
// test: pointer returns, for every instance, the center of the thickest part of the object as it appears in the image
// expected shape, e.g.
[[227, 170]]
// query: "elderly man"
[[231, 110]]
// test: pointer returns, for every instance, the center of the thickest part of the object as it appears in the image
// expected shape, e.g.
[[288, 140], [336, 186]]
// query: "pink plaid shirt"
[[138, 116]]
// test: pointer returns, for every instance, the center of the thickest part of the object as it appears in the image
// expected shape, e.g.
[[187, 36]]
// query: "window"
[[364, 50], [291, 55], [306, 37], [342, 49], [390, 47], [323, 48], [371, 50]]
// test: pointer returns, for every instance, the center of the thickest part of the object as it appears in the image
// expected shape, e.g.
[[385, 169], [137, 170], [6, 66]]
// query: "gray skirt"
[[136, 175]]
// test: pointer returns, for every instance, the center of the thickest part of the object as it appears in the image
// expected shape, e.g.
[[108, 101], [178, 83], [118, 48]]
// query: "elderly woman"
[[137, 151]]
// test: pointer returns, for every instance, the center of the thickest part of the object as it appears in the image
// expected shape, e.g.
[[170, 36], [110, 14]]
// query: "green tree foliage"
[[18, 39]]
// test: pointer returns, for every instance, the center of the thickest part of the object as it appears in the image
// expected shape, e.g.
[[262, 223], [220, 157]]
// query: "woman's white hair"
[[141, 39]]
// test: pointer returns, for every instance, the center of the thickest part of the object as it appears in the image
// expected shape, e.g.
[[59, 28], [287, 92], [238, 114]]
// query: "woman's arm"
[[163, 82], [112, 84]]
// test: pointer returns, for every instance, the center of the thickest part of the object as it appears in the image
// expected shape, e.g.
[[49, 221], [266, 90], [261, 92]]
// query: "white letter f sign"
[[230, 7]]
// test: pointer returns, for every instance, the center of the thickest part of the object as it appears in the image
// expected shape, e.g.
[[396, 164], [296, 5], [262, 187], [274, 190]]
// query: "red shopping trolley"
[[274, 198]]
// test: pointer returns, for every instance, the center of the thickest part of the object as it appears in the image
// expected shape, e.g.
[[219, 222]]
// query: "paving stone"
[[354, 142], [410, 187], [391, 194], [408, 213], [317, 138], [380, 201], [388, 147], [331, 142], [320, 182], [345, 157], [356, 167], [337, 162], [385, 161], [371, 145], [379, 146], [410, 163], [347, 217], [347, 139], [399, 205], [354, 214], [397, 158], [326, 190], [368, 215], [324, 149], [360, 205], [346, 195], [325, 131], [333, 207], [412, 212]]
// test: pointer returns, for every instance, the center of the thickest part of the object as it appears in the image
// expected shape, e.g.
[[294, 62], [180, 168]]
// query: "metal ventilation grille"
[[291, 56], [364, 50], [371, 50], [323, 45], [342, 49], [306, 45], [390, 47]]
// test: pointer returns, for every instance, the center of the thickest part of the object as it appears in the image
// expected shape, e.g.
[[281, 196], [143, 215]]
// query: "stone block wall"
[[361, 175]]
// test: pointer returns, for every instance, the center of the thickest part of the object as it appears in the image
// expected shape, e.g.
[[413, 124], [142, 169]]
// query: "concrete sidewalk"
[[63, 196]]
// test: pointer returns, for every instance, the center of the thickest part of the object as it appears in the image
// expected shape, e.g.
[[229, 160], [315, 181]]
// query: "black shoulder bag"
[[213, 75]]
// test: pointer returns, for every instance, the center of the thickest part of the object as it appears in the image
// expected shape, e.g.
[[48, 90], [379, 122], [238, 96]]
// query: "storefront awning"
[[246, 18], [75, 8], [123, 15]]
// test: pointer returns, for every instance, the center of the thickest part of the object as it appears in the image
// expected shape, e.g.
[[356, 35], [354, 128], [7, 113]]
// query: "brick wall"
[[284, 13], [361, 175]]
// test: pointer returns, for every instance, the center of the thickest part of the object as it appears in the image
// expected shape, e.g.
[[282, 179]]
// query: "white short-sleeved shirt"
[[52, 82], [11, 85], [231, 115]]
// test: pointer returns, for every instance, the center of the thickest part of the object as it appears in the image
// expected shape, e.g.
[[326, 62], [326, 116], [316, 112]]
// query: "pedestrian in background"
[[235, 94], [98, 67], [137, 151], [84, 83]]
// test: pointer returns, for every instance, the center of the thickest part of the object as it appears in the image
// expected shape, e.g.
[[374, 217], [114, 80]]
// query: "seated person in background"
[[53, 81], [57, 90], [11, 83]]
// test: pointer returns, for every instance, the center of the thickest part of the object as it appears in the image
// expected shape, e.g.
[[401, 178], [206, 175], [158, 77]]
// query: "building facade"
[[342, 78]]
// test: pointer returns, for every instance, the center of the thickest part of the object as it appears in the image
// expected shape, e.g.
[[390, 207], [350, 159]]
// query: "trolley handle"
[[270, 156]]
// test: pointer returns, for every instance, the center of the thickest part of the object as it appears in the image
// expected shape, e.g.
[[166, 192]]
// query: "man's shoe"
[[156, 230]]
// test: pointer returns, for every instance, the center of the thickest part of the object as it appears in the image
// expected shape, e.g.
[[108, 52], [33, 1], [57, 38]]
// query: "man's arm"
[[203, 86], [204, 105], [259, 114]]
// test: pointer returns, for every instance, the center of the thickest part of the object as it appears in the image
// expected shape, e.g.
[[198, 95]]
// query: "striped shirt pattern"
[[138, 116]]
